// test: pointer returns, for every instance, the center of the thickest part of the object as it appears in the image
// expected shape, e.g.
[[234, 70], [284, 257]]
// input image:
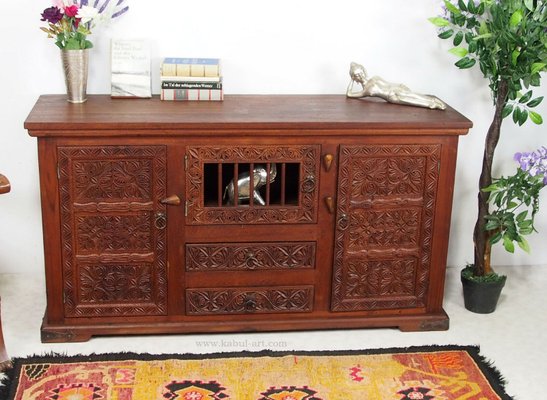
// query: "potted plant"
[[507, 39]]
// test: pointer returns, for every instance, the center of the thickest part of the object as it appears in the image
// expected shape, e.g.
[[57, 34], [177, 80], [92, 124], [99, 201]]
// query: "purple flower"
[[535, 163], [52, 15]]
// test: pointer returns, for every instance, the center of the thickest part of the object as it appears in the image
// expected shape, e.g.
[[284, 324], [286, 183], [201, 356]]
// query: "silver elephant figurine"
[[260, 176]]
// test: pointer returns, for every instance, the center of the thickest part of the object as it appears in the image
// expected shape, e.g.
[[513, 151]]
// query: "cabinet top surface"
[[52, 114]]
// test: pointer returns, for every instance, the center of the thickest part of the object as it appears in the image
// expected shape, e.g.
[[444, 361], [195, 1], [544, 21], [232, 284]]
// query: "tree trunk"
[[481, 238]]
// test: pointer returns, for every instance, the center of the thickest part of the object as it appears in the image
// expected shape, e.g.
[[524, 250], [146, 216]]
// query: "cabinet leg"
[[60, 335], [431, 323]]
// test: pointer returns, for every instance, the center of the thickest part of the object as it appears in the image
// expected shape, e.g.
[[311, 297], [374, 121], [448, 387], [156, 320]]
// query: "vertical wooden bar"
[[268, 184], [219, 185], [236, 192], [251, 184], [283, 181]]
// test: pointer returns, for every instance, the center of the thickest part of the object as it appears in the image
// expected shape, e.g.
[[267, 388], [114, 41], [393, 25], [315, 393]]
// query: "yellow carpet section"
[[399, 375]]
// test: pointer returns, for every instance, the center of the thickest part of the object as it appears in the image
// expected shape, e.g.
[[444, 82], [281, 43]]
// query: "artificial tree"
[[507, 39]]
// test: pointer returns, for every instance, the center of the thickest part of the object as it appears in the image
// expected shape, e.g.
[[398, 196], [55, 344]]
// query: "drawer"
[[248, 300], [250, 256]]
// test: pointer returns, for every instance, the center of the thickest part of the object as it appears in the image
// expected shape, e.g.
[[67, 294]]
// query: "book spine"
[[166, 84], [192, 94], [190, 78], [197, 67]]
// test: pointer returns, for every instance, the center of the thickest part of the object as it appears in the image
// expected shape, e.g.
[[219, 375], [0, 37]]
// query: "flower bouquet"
[[69, 23]]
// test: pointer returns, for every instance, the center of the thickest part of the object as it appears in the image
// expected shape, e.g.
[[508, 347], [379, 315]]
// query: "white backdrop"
[[267, 47]]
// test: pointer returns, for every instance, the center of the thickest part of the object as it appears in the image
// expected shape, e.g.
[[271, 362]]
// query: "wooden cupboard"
[[257, 213]]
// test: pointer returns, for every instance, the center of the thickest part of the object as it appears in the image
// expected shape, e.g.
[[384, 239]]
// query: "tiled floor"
[[513, 338]]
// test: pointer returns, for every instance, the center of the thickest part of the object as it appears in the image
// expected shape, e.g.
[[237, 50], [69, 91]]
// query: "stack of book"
[[191, 79]]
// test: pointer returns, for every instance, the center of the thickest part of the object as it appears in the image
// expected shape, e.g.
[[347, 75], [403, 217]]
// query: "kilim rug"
[[440, 373]]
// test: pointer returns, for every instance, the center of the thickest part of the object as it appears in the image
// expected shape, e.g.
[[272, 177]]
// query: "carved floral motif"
[[249, 256], [243, 301], [384, 229], [379, 278], [116, 283], [96, 180], [387, 193], [108, 196], [121, 233]]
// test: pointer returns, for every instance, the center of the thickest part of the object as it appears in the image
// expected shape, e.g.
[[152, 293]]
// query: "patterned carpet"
[[434, 372]]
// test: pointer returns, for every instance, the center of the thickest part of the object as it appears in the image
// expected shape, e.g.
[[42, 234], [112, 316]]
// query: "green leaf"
[[496, 238], [473, 47], [452, 8], [535, 102], [458, 38], [526, 97], [507, 110], [520, 218], [536, 118], [514, 56], [515, 18], [465, 62], [523, 117], [483, 28], [523, 244], [516, 115], [508, 244], [446, 34], [529, 4], [460, 19], [471, 6], [537, 67], [525, 224], [490, 188], [438, 21], [459, 51], [462, 5], [483, 36], [72, 44]]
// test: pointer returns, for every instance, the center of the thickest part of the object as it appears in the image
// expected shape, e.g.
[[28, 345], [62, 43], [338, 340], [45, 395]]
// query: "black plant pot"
[[482, 297]]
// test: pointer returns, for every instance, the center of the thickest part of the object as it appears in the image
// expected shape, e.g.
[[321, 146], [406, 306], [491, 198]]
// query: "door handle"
[[329, 202], [327, 161], [172, 200]]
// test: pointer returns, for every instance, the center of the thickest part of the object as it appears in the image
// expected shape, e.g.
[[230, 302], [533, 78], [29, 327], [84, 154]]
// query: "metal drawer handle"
[[343, 222], [308, 185], [250, 260], [161, 220], [250, 302]]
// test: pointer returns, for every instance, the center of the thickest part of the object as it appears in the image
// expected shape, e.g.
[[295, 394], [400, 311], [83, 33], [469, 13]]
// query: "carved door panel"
[[256, 184], [383, 235], [113, 230]]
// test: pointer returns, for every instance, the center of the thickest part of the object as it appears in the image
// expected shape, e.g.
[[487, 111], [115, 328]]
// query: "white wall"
[[282, 46]]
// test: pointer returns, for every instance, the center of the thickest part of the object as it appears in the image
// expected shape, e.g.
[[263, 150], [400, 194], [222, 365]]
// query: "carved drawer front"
[[282, 299], [250, 256], [113, 236], [385, 212], [256, 184]]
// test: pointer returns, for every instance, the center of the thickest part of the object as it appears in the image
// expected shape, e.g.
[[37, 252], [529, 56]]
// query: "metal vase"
[[75, 64]]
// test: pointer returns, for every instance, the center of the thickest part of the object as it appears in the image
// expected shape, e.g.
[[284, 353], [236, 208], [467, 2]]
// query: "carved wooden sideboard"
[[348, 228]]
